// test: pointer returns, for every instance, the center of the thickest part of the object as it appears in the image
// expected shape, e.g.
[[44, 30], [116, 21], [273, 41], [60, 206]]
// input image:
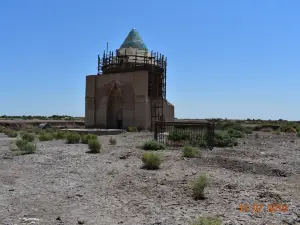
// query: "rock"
[[125, 155], [81, 222]]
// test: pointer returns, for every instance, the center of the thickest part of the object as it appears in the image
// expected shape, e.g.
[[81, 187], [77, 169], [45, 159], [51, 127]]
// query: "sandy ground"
[[62, 184]]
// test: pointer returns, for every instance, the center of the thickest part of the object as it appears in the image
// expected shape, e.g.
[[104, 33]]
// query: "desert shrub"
[[199, 185], [86, 137], [266, 129], [28, 137], [235, 133], [59, 135], [50, 130], [20, 143], [73, 138], [178, 135], [25, 147], [223, 139], [140, 128], [36, 130], [207, 221], [94, 145], [296, 127], [277, 132], [22, 132], [151, 161], [202, 143], [132, 129], [287, 129], [153, 145], [199, 140], [191, 152], [11, 133], [45, 136], [2, 129], [29, 148], [248, 130], [230, 125], [112, 141]]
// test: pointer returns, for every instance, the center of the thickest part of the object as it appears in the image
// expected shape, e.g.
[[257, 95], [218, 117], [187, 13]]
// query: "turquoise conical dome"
[[134, 40]]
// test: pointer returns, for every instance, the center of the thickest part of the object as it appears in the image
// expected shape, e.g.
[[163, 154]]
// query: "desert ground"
[[63, 184]]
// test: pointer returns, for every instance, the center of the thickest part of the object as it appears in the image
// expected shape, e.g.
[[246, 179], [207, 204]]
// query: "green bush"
[[112, 141], [178, 135], [151, 161], [60, 135], [230, 125], [36, 130], [28, 137], [45, 136], [248, 130], [94, 145], [73, 138], [11, 133], [132, 129], [207, 221], [153, 145], [25, 147], [29, 148], [191, 152], [223, 139], [50, 130], [199, 185], [86, 137], [202, 143], [2, 129], [140, 128], [277, 132], [288, 129], [235, 133], [199, 141], [20, 143], [266, 129]]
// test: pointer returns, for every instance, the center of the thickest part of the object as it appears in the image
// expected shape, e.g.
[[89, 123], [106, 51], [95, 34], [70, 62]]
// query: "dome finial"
[[134, 40]]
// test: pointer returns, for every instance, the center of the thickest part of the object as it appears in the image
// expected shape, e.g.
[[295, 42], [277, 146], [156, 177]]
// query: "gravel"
[[63, 184]]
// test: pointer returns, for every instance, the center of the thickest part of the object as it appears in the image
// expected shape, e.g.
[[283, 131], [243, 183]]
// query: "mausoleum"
[[129, 88]]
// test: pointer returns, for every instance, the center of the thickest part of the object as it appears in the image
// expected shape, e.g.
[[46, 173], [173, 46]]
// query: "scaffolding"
[[129, 60]]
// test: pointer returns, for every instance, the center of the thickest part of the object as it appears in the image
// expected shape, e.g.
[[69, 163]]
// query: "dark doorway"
[[114, 117]]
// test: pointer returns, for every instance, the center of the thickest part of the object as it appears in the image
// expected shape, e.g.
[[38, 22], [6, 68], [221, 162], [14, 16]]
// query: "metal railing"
[[199, 134]]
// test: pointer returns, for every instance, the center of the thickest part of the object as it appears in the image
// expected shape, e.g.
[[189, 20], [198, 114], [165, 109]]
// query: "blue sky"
[[228, 59]]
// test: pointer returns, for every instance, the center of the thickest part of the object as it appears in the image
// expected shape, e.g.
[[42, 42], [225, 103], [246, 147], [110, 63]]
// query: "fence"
[[183, 133]]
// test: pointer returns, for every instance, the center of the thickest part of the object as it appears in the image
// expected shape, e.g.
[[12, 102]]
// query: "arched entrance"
[[114, 116]]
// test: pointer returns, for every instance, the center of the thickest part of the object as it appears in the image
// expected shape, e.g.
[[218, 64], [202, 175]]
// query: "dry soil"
[[63, 184]]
